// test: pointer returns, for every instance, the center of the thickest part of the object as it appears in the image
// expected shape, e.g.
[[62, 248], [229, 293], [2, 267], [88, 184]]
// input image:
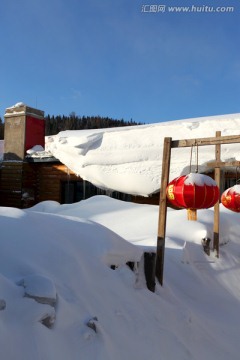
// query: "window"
[[74, 191], [230, 179]]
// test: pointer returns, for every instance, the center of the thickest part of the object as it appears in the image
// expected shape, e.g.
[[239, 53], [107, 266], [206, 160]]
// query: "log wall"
[[11, 184], [24, 184]]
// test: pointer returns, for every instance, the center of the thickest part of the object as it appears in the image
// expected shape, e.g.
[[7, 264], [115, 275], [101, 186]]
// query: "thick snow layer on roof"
[[129, 159]]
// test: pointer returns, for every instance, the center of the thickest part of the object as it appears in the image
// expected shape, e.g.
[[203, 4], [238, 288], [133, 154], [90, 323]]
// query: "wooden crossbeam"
[[206, 141], [218, 164]]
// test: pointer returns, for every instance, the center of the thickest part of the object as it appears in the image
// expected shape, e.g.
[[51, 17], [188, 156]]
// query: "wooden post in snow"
[[217, 164], [163, 209], [217, 175]]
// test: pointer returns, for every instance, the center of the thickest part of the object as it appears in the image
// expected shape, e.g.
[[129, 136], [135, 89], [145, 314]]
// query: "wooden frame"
[[169, 144]]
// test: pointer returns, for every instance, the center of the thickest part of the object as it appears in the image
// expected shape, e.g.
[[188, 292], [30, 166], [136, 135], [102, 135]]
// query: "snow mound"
[[103, 313]]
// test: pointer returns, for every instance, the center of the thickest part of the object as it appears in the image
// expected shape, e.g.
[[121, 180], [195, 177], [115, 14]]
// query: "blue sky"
[[109, 58]]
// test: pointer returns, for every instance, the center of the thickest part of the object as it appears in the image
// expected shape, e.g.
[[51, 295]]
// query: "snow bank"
[[129, 159], [138, 223], [63, 253], [75, 255]]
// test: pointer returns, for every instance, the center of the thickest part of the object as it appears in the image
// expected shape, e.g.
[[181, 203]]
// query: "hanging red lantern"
[[193, 191], [231, 198]]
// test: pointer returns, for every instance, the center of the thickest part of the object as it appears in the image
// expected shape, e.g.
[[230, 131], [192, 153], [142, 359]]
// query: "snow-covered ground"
[[61, 300], [129, 159]]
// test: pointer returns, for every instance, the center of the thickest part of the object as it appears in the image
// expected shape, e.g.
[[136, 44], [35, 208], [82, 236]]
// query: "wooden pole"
[[217, 176], [163, 209], [168, 145]]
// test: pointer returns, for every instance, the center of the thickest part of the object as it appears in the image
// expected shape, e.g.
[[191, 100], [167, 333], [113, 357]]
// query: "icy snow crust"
[[129, 159], [66, 250]]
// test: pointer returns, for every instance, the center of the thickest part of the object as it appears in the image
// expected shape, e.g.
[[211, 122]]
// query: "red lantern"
[[231, 198], [192, 192]]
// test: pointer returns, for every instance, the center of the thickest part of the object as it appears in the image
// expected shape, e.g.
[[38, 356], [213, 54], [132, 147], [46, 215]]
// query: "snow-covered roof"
[[129, 159]]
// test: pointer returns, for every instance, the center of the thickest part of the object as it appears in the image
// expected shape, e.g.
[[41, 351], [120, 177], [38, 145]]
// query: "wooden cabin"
[[24, 184], [26, 181]]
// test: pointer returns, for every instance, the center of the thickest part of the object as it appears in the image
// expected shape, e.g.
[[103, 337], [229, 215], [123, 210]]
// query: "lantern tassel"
[[192, 214]]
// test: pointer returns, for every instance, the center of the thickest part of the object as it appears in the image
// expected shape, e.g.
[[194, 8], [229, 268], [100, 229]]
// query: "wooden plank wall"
[[11, 183], [24, 184], [49, 181]]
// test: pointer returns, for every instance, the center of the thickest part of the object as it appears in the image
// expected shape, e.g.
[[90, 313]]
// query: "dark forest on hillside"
[[55, 124]]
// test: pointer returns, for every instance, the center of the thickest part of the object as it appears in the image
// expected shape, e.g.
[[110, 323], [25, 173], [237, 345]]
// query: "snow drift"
[[63, 253]]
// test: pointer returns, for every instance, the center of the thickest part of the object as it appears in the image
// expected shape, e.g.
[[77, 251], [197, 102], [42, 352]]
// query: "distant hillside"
[[55, 124]]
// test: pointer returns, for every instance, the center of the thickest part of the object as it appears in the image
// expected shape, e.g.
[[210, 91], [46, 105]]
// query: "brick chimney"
[[24, 128]]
